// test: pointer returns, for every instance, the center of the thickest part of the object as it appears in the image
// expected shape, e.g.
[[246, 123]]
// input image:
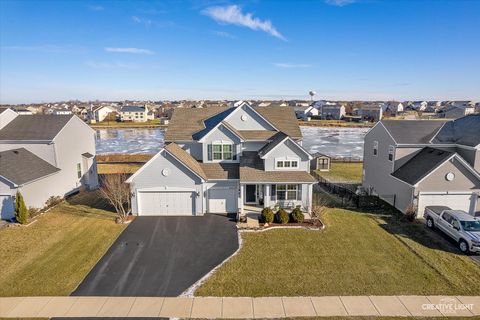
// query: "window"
[[79, 170], [375, 148], [286, 164], [391, 150], [287, 191], [222, 152]]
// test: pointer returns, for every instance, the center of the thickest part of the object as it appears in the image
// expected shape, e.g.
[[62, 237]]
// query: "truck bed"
[[437, 209]]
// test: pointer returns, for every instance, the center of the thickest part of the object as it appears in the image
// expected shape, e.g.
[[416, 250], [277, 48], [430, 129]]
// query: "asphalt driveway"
[[161, 256]]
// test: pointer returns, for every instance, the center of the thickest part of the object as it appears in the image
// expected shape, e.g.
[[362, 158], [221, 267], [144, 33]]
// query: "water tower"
[[312, 94]]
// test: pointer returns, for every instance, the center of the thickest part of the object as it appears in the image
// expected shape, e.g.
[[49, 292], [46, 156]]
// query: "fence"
[[349, 197]]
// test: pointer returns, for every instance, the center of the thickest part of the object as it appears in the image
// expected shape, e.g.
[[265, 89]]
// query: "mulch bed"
[[307, 223]]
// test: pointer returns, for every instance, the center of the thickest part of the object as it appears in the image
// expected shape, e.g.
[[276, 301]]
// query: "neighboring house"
[[217, 160], [454, 112], [392, 107], [23, 111], [135, 114], [370, 112], [100, 114], [418, 105], [416, 163], [6, 115], [305, 112], [43, 156], [333, 111]]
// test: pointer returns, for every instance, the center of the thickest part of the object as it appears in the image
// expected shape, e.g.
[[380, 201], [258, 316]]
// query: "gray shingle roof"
[[34, 127], [277, 139], [464, 131], [413, 131], [21, 166], [421, 165], [132, 109], [220, 171]]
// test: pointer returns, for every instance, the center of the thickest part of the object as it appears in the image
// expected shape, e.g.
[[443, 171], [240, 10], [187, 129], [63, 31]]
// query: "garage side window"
[[79, 170], [375, 148], [391, 150]]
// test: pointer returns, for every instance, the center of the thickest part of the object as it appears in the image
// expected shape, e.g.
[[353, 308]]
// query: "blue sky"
[[342, 49]]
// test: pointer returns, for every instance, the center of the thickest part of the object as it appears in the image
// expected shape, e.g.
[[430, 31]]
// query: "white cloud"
[[224, 34], [291, 65], [129, 50], [95, 8], [146, 22], [109, 65], [339, 3], [234, 15]]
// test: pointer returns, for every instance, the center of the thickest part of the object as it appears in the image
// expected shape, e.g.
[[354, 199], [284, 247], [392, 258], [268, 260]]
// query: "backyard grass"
[[343, 172], [357, 254], [52, 256], [115, 168]]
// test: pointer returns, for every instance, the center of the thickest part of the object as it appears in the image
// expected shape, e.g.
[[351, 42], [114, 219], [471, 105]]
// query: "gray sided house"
[[417, 163], [333, 111], [43, 156], [217, 160]]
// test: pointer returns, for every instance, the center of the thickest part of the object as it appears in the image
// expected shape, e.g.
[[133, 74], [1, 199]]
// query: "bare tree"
[[117, 192]]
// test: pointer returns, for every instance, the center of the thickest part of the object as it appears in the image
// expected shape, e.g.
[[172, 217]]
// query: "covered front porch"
[[256, 196]]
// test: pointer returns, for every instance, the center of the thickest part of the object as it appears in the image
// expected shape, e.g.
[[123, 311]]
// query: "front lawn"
[[344, 172], [54, 254], [357, 254]]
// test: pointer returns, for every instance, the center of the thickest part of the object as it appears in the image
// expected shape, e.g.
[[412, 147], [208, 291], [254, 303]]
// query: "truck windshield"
[[471, 226]]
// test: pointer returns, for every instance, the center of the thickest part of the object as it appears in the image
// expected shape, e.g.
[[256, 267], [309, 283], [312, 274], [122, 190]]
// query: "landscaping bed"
[[307, 224]]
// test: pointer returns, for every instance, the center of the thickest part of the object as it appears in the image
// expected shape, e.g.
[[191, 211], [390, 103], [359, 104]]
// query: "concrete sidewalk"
[[236, 308]]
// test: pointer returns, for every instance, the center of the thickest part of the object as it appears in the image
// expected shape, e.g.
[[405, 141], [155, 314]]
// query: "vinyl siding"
[[287, 149], [220, 134], [253, 122]]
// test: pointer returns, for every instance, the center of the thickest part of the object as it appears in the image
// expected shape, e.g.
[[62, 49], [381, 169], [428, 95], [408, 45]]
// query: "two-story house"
[[43, 156], [135, 114], [416, 163], [217, 159]]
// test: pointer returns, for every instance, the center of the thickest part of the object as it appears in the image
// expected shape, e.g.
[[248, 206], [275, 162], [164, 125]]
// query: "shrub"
[[52, 201], [267, 215], [297, 215], [410, 213], [282, 216], [33, 212], [21, 212]]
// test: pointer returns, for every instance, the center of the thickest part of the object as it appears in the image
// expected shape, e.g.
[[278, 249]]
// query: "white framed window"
[[391, 150], [286, 163], [375, 148], [79, 170], [287, 191], [222, 151]]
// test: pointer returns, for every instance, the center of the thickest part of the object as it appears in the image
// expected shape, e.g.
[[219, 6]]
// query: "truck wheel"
[[463, 246], [430, 223]]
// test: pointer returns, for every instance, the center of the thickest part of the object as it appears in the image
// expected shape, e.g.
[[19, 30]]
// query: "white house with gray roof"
[[136, 114], [417, 163], [217, 160], [43, 156]]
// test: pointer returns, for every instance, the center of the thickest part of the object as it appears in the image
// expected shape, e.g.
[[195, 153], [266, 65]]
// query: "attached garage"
[[222, 199], [466, 201], [166, 203]]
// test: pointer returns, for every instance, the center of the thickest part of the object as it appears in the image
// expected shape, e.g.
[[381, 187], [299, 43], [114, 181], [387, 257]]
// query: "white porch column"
[[266, 196], [240, 199], [310, 198]]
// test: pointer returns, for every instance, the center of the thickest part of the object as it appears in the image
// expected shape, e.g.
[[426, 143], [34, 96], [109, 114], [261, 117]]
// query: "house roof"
[[220, 171], [277, 139], [464, 131], [186, 122], [412, 131], [252, 170], [132, 109], [256, 134], [34, 127], [427, 160], [184, 157], [21, 166], [212, 122], [2, 109]]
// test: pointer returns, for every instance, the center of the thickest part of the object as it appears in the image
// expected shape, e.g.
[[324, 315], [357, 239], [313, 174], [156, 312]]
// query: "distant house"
[[6, 115], [333, 111], [305, 112], [100, 114], [63, 112], [418, 105], [454, 112], [370, 112], [135, 114], [392, 107], [43, 156], [23, 111]]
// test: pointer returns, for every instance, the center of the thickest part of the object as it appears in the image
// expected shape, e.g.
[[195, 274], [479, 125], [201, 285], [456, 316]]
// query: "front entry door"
[[251, 193]]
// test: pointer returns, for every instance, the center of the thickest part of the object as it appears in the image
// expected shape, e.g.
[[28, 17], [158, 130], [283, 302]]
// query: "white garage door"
[[457, 201], [166, 203], [6, 207], [222, 200]]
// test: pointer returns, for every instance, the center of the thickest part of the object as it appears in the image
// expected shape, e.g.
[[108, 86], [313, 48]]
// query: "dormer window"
[[222, 151]]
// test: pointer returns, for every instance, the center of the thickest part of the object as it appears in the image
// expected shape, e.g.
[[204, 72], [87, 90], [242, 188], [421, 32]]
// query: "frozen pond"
[[336, 142]]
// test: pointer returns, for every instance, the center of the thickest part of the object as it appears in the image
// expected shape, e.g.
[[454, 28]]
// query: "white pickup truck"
[[457, 224]]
